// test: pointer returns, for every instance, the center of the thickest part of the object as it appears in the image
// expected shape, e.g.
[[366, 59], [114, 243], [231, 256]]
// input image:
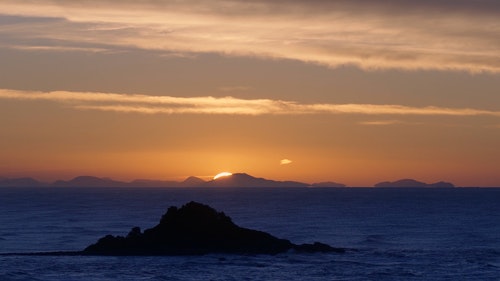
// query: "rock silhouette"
[[196, 229]]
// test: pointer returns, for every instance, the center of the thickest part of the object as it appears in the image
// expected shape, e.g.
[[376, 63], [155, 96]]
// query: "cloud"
[[285, 161], [58, 48], [380, 122], [380, 34], [387, 123], [146, 104]]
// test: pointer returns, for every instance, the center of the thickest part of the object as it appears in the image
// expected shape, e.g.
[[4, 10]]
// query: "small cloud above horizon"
[[380, 122], [285, 161]]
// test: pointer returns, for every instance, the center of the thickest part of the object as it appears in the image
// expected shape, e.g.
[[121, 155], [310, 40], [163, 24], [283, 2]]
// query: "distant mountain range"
[[234, 180], [414, 183], [6, 182]]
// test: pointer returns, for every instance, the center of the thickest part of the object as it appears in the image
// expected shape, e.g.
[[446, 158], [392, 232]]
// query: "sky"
[[355, 92]]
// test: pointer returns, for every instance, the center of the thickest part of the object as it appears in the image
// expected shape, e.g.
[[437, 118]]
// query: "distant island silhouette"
[[21, 182], [234, 180], [414, 183], [328, 184]]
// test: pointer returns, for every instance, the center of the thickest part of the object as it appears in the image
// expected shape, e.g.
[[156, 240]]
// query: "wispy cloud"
[[57, 48], [130, 103], [379, 34], [387, 123], [380, 122]]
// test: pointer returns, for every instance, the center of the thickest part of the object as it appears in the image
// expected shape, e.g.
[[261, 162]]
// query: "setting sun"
[[223, 174]]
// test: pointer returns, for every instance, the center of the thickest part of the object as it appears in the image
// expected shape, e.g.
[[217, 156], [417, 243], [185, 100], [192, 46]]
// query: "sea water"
[[390, 234]]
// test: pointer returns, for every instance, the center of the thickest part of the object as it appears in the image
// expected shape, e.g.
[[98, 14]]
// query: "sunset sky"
[[355, 92]]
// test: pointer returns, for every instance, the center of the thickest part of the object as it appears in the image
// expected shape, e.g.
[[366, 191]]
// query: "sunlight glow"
[[223, 174]]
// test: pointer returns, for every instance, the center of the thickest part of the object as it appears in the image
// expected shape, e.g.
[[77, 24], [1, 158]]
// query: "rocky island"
[[196, 229]]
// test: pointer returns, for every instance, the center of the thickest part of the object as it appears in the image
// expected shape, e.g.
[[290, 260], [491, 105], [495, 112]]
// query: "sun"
[[223, 174]]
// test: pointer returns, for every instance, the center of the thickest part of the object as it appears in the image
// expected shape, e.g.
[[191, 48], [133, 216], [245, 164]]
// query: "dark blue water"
[[392, 234]]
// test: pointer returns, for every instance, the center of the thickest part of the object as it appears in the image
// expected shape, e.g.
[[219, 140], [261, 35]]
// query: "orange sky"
[[347, 91]]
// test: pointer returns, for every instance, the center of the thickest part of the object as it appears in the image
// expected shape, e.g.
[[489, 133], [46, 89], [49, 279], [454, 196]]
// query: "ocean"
[[390, 234]]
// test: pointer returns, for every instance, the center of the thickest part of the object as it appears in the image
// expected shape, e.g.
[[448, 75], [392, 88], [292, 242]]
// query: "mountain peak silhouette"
[[246, 180], [21, 182], [89, 181]]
